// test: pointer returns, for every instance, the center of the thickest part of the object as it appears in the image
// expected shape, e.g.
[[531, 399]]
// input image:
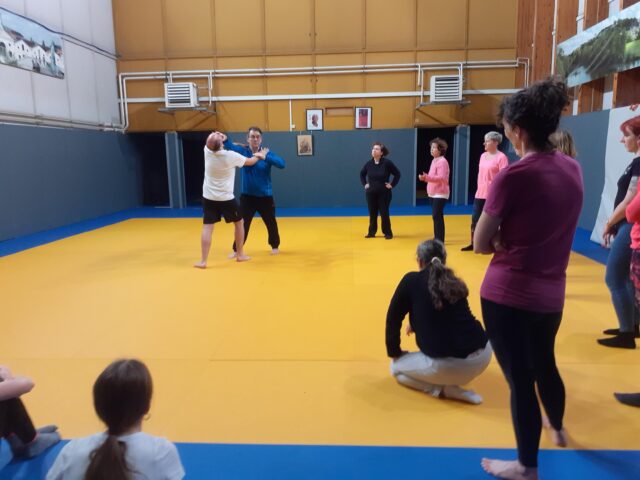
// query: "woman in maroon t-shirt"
[[522, 294]]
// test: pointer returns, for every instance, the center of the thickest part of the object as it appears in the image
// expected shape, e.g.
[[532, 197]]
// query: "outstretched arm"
[[398, 309]]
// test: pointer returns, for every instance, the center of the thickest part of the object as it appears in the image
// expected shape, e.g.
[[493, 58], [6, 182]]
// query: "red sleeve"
[[633, 209]]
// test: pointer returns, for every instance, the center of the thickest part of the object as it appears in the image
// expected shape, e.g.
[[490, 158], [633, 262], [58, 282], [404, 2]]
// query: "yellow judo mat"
[[285, 349]]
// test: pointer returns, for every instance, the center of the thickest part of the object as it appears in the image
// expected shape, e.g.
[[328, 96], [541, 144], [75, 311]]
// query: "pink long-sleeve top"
[[438, 178], [633, 216], [488, 168]]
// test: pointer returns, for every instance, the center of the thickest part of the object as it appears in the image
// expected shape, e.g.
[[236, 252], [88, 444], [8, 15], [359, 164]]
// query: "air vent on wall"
[[180, 95], [445, 88]]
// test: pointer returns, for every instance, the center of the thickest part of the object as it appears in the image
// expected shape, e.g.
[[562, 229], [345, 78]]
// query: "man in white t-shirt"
[[218, 200]]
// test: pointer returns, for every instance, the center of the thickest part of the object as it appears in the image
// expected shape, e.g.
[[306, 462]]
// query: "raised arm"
[[256, 157]]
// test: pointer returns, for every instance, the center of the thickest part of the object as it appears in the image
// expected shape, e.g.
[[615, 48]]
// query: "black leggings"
[[437, 212], [523, 342], [14, 419]]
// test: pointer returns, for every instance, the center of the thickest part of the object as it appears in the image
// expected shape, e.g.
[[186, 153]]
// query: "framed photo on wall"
[[305, 145], [363, 117], [314, 119]]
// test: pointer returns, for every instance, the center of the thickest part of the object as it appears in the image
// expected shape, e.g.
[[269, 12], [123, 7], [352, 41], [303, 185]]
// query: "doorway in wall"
[[423, 158], [192, 152]]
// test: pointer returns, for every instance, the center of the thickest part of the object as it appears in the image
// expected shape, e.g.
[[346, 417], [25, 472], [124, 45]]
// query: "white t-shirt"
[[220, 174], [149, 457]]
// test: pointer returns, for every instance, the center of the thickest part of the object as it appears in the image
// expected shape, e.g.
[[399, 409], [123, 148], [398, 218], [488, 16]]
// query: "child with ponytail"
[[122, 397]]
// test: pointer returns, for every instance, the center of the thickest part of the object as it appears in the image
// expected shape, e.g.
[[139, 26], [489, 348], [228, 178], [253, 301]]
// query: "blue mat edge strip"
[[582, 243]]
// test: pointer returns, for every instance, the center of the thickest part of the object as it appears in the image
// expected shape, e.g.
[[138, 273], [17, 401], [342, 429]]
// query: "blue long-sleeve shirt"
[[256, 179]]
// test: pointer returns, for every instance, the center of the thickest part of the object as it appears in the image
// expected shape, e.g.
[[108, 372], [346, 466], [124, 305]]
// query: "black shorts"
[[214, 211]]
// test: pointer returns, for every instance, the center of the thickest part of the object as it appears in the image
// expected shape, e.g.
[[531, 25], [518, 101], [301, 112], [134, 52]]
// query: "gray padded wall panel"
[[53, 177], [331, 177], [590, 134]]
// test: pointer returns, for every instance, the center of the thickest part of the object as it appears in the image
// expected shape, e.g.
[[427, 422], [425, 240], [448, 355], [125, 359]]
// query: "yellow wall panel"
[[228, 63], [278, 116], [391, 112], [487, 79], [391, 82], [483, 109], [441, 24], [141, 66], [492, 54], [377, 58], [288, 61], [239, 27], [239, 86], [145, 88], [339, 59], [299, 113], [290, 85], [343, 31], [145, 117], [288, 26], [340, 84], [201, 63], [441, 56], [138, 28], [492, 23], [390, 25], [188, 28], [239, 116]]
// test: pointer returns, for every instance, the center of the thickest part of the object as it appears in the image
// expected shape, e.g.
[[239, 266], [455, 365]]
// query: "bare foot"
[[274, 251], [242, 258], [512, 470], [559, 437], [232, 255], [200, 264]]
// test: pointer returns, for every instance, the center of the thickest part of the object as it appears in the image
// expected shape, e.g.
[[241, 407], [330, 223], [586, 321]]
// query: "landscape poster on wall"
[[611, 46], [29, 45]]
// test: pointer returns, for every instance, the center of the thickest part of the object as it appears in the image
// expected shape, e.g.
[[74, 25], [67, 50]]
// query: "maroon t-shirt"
[[539, 199]]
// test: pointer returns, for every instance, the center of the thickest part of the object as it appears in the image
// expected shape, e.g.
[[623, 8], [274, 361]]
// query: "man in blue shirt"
[[256, 194]]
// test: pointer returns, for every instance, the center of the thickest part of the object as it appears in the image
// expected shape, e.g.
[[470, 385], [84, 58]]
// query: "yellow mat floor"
[[281, 349]]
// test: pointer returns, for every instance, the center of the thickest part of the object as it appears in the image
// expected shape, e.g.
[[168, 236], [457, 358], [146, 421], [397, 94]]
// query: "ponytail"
[[107, 462], [442, 283]]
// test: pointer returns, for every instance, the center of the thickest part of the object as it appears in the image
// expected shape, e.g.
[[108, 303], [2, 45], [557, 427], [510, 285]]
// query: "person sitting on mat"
[[453, 345], [15, 424]]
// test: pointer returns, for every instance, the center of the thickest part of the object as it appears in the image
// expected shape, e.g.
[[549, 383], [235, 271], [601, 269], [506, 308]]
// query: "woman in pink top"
[[491, 162], [437, 185], [528, 224]]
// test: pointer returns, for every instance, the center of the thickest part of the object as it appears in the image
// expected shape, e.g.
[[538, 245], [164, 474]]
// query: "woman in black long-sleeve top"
[[453, 345], [375, 176]]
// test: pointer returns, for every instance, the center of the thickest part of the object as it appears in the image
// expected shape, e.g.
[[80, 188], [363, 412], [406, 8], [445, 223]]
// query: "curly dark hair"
[[441, 144], [536, 109]]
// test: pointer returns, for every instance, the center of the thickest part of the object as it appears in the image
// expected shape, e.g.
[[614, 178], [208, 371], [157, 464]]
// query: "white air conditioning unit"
[[180, 95], [445, 88]]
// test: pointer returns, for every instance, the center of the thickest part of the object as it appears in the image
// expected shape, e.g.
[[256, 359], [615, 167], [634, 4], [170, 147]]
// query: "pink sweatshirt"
[[488, 168], [438, 178], [633, 216]]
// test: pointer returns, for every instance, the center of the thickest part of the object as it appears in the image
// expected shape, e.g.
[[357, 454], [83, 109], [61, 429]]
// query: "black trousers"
[[437, 212], [523, 342], [378, 201], [478, 206], [266, 207], [14, 419]]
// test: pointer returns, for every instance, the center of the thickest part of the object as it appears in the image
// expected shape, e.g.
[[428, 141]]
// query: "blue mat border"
[[313, 462], [582, 244]]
